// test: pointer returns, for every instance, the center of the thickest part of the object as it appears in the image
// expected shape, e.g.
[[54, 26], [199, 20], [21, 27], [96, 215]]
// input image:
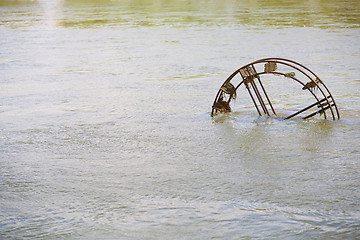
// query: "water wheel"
[[251, 77]]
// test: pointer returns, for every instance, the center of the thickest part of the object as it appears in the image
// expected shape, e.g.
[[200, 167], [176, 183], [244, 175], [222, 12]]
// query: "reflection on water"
[[315, 13], [11, 3], [182, 13], [105, 127]]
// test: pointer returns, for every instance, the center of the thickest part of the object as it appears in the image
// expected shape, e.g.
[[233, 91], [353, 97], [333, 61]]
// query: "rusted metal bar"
[[259, 97], [263, 89], [267, 97], [239, 85], [320, 111], [308, 107], [333, 100], [247, 75], [252, 98], [251, 69]]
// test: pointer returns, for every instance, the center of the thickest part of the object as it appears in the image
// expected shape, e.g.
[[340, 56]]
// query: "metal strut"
[[267, 97], [308, 107], [249, 74], [252, 98]]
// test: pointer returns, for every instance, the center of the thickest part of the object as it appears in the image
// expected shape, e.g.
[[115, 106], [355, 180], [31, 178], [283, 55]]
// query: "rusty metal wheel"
[[251, 77]]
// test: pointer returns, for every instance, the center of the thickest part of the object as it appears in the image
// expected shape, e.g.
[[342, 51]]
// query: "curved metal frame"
[[249, 75]]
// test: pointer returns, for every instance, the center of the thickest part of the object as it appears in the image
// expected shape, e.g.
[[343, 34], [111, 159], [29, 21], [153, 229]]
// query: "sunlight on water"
[[105, 126]]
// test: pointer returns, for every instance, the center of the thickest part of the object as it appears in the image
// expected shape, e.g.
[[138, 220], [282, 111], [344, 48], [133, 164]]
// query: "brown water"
[[105, 127]]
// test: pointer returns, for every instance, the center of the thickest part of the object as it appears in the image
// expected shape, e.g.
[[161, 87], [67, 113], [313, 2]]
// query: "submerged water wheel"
[[251, 77]]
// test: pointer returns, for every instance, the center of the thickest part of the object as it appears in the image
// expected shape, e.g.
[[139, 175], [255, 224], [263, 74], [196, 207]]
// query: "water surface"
[[105, 127]]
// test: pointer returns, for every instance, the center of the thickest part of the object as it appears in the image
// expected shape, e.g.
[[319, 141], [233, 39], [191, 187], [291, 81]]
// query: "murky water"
[[105, 127]]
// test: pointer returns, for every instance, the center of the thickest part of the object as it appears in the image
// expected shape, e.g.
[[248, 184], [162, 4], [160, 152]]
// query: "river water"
[[106, 133]]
